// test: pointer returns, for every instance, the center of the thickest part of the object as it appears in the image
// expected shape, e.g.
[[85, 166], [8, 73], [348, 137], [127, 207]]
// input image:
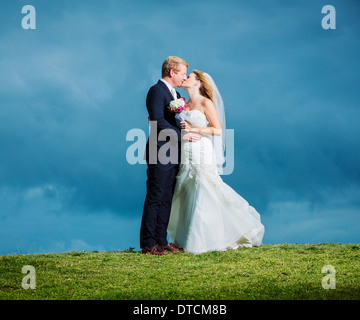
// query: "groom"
[[161, 178]]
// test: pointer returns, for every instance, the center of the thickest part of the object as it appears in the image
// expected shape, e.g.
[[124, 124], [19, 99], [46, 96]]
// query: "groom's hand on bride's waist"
[[191, 136]]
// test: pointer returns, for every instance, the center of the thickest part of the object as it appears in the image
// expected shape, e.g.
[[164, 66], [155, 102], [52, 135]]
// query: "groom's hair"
[[172, 63]]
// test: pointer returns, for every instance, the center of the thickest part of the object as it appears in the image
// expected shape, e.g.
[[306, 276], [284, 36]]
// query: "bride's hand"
[[185, 126], [192, 137]]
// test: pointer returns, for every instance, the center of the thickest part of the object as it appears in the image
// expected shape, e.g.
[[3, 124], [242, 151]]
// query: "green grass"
[[269, 272]]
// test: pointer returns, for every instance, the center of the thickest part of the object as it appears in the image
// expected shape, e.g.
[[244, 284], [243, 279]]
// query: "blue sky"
[[72, 88]]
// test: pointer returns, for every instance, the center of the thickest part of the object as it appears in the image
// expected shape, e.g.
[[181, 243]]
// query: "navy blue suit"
[[161, 178]]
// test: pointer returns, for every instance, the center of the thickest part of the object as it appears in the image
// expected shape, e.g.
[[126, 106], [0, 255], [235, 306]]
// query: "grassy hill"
[[269, 272]]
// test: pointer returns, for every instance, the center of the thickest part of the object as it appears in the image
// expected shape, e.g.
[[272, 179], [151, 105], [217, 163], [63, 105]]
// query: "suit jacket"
[[157, 102]]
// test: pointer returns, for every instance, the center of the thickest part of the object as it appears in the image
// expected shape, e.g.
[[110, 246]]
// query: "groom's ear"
[[172, 72]]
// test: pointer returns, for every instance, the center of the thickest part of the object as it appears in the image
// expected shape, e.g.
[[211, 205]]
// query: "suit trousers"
[[160, 185]]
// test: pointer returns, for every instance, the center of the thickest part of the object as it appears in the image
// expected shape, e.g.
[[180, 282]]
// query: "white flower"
[[177, 105]]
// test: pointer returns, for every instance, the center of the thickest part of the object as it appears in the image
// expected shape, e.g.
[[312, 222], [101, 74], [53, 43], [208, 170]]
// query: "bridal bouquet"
[[177, 105]]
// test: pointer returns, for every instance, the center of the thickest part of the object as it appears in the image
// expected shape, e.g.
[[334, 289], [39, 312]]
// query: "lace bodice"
[[195, 118]]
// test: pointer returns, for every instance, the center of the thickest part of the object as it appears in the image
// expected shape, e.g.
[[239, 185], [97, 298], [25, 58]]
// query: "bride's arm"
[[210, 112]]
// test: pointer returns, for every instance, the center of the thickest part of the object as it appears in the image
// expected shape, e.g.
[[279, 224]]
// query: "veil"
[[219, 142]]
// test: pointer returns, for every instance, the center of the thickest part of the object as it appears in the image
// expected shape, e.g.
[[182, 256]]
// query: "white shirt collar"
[[167, 84]]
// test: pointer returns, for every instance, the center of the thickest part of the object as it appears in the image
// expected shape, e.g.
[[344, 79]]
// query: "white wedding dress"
[[207, 214]]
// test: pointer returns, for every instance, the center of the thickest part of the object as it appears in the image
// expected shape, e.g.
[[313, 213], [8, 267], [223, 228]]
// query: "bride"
[[207, 214]]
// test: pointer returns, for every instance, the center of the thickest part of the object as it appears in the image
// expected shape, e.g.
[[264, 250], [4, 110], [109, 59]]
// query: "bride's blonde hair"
[[205, 87]]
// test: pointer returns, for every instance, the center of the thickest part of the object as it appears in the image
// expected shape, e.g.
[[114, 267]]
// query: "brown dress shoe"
[[154, 250], [171, 247]]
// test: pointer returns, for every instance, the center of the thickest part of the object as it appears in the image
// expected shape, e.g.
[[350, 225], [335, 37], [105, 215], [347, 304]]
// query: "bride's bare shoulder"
[[207, 103]]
